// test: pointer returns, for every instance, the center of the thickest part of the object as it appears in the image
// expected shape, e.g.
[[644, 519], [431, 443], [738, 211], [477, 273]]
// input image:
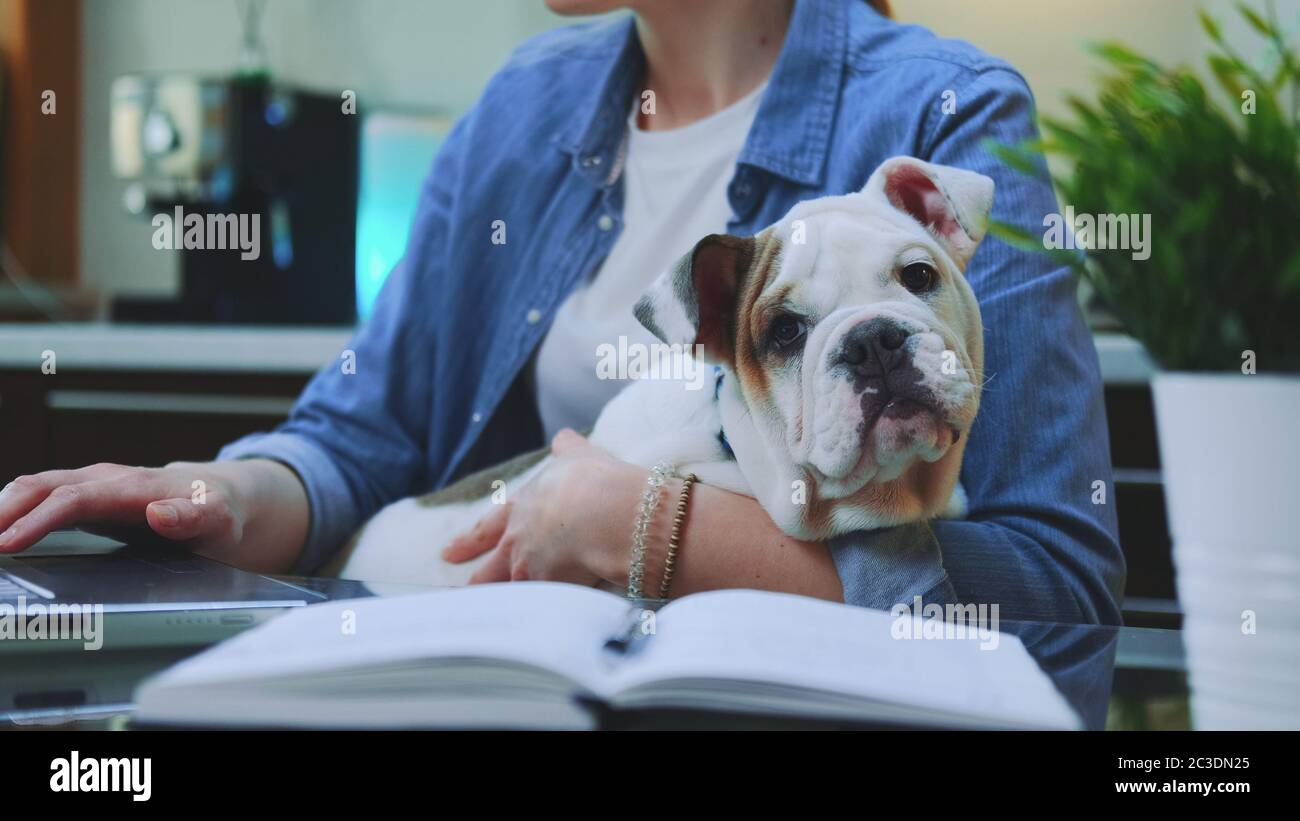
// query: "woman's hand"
[[572, 522], [252, 513]]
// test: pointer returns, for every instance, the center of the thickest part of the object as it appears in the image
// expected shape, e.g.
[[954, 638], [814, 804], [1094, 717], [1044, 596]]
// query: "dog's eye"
[[919, 277], [785, 331]]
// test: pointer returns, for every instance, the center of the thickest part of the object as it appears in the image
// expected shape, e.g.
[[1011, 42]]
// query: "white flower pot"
[[1230, 456]]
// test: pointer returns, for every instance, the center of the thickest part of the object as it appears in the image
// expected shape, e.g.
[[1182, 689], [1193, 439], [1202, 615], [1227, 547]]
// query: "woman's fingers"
[[567, 439], [128, 497], [497, 568], [183, 520], [114, 501], [482, 538], [23, 494], [568, 442]]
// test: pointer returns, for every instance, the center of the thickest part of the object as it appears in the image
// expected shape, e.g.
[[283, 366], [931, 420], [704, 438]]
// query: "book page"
[[752, 636], [556, 627]]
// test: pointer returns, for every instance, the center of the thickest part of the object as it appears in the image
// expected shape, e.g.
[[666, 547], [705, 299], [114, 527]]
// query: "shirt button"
[[534, 316], [591, 162], [605, 222], [478, 417]]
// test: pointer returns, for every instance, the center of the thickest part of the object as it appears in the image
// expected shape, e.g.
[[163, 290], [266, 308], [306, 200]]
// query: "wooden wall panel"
[[40, 45]]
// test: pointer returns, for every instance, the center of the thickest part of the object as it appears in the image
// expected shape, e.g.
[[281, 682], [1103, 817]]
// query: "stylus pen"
[[638, 626]]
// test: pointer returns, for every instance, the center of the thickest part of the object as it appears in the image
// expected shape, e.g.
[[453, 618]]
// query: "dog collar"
[[717, 391]]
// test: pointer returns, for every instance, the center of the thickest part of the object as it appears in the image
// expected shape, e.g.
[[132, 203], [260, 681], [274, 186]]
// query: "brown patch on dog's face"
[[883, 504], [695, 303], [747, 361]]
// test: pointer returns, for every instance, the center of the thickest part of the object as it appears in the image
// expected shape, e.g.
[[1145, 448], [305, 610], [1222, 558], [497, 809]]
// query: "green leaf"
[[1210, 26], [1021, 157], [1026, 240], [1258, 23], [1228, 73], [1122, 56]]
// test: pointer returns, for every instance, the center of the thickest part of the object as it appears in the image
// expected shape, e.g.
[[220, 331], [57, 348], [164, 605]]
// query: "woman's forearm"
[[729, 541]]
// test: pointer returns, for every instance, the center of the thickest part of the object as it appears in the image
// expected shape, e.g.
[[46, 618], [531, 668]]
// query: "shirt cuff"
[[881, 568], [333, 513]]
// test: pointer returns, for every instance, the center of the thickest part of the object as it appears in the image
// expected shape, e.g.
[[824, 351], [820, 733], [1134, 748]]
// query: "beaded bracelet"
[[641, 530], [675, 540]]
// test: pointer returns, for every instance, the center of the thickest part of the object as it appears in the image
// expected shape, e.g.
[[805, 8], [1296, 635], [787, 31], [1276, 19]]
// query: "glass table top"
[[1116, 678]]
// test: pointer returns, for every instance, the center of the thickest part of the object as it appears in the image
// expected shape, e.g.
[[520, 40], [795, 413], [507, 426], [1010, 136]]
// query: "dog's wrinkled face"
[[855, 345]]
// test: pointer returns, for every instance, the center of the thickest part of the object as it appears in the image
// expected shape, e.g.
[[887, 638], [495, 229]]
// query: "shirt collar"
[[792, 130], [597, 130]]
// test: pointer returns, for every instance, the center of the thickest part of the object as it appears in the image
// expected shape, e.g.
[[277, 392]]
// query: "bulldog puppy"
[[849, 355]]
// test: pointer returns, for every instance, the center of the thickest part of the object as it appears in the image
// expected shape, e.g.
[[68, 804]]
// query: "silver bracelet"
[[659, 474]]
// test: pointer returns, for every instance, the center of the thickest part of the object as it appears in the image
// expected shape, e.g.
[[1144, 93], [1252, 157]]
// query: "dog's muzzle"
[[882, 400], [877, 360]]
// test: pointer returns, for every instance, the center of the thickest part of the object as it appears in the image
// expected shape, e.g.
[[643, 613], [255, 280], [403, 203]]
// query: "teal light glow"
[[396, 153]]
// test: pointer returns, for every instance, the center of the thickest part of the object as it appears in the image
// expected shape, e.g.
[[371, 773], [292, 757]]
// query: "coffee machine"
[[242, 152]]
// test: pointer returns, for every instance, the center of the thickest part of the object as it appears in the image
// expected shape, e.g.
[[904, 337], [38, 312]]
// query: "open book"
[[539, 655]]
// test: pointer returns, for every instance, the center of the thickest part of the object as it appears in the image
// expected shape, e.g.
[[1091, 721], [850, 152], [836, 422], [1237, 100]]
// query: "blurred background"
[[406, 56], [112, 351]]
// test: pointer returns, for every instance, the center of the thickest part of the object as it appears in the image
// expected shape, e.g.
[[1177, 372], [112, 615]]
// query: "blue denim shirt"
[[440, 383]]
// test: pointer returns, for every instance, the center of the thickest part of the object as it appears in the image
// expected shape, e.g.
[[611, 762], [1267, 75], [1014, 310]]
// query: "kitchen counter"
[[191, 348], [204, 348]]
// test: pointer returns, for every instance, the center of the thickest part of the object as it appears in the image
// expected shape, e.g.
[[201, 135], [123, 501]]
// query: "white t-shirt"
[[675, 192]]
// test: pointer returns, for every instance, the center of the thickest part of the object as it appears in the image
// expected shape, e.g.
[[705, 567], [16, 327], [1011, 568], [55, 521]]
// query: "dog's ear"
[[694, 302], [953, 204]]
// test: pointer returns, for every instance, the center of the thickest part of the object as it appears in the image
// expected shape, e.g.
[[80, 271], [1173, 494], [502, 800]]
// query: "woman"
[[551, 203]]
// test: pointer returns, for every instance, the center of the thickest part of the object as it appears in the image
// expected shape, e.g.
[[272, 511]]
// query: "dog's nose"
[[875, 343]]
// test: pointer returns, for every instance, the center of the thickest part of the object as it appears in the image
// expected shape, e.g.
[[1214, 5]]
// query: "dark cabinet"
[[75, 418]]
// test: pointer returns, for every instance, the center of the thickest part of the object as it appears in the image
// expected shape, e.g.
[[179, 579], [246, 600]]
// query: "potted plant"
[[1215, 299]]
